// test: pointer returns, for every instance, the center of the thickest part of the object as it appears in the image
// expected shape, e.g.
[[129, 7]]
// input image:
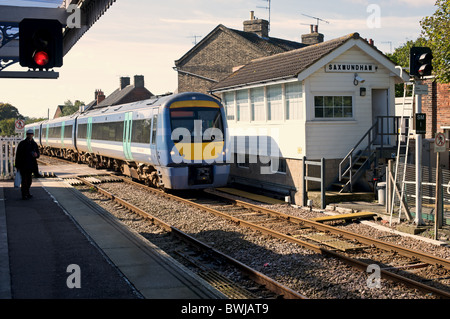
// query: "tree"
[[7, 111], [436, 29], [401, 54], [8, 115], [69, 108], [401, 58], [7, 127], [30, 120]]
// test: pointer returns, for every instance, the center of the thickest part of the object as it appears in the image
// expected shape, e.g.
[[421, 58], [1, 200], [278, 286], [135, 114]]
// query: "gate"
[[428, 192], [7, 156]]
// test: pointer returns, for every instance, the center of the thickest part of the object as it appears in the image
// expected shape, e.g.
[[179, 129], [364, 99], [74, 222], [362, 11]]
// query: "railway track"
[[355, 250], [314, 236], [225, 285]]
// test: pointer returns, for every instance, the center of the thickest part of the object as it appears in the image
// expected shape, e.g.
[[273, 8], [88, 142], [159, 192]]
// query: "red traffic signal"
[[425, 61], [420, 61], [40, 43], [41, 58]]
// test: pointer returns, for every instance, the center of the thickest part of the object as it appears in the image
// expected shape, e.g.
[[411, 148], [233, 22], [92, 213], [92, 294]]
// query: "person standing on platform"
[[26, 155]]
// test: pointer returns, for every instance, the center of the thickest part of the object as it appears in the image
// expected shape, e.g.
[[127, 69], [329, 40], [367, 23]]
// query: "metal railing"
[[384, 126]]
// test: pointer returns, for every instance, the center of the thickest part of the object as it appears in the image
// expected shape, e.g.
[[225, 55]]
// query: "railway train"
[[176, 141]]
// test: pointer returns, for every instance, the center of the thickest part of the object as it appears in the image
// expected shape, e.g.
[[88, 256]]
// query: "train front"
[[195, 141]]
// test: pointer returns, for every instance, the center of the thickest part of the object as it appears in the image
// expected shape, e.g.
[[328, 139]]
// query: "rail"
[[358, 264], [258, 277]]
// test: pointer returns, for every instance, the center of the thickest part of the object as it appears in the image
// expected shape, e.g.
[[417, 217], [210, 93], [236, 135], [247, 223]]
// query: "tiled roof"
[[115, 97], [284, 65], [267, 45]]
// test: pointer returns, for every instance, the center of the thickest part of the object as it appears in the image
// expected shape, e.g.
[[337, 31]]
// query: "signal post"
[[420, 65]]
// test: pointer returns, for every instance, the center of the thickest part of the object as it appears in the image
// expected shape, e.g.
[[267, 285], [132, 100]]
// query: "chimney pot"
[[314, 37], [138, 81], [124, 82], [257, 26], [100, 96], [252, 15]]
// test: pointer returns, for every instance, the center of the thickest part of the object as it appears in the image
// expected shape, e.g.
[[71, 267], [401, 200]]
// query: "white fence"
[[7, 156]]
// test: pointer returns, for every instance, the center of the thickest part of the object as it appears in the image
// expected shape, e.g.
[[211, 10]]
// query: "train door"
[[63, 127], [89, 135], [74, 136], [127, 130], [46, 134], [153, 138]]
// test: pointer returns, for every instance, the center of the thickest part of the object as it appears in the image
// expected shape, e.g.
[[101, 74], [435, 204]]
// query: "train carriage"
[[174, 142], [57, 137], [36, 127]]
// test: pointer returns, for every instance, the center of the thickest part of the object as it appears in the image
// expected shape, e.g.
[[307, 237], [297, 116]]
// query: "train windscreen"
[[198, 121]]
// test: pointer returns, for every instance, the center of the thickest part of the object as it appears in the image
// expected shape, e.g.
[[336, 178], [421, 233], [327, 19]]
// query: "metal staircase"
[[368, 150], [357, 161]]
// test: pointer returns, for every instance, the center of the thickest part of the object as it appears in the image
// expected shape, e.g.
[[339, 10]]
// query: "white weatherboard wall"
[[288, 134], [333, 139], [327, 138]]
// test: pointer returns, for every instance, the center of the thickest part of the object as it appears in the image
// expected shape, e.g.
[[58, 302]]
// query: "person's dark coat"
[[24, 156]]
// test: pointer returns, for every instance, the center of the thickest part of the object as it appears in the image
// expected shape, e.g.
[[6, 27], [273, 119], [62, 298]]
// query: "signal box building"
[[333, 100]]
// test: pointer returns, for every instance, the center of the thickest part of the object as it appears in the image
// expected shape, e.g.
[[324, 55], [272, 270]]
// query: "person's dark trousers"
[[26, 182]]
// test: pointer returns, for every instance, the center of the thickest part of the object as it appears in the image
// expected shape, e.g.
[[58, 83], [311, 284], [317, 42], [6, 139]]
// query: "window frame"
[[326, 100]]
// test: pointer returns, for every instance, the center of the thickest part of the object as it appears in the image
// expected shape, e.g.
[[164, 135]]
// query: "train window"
[[68, 131], [141, 131], [112, 131], [82, 131], [154, 128], [188, 117], [54, 132]]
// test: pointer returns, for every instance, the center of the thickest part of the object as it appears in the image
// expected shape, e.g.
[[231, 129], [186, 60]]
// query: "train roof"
[[156, 101]]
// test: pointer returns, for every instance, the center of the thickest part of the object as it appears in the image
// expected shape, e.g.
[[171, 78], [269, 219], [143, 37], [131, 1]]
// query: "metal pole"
[[418, 217], [437, 204], [322, 183], [305, 196]]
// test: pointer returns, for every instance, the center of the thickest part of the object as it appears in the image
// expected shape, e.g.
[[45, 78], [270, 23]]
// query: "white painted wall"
[[328, 138], [331, 138]]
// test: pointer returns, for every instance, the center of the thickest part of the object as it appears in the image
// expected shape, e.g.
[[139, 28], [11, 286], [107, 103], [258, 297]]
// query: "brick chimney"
[[138, 81], [258, 26], [124, 82], [99, 96], [314, 37]]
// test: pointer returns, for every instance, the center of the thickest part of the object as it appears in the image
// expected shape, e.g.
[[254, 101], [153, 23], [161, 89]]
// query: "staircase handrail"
[[350, 154]]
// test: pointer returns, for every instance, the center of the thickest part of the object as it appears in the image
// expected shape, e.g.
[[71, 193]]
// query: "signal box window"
[[333, 107]]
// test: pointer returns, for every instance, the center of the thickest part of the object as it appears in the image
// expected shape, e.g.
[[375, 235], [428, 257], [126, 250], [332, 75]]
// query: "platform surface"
[[59, 227]]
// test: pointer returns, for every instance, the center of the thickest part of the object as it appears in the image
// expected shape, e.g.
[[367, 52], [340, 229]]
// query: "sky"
[[137, 37]]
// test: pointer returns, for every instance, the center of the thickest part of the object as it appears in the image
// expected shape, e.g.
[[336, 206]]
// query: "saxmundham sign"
[[350, 67]]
